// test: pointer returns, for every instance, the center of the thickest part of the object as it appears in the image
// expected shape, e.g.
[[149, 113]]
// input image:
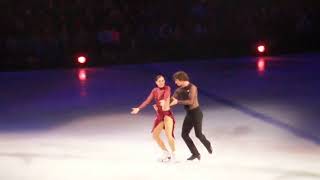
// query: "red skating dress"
[[159, 94]]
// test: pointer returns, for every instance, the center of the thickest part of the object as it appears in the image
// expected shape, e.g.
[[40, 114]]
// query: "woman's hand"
[[135, 110]]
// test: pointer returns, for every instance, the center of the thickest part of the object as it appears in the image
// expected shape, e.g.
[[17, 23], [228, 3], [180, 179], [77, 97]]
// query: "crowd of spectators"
[[52, 32]]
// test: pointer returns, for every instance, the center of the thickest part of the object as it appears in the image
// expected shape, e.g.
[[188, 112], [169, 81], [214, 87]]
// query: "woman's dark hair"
[[158, 76]]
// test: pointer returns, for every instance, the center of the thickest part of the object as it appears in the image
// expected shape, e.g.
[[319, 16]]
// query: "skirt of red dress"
[[160, 118]]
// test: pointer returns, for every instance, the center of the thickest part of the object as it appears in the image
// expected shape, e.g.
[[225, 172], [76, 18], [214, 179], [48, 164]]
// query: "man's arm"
[[192, 96], [174, 97]]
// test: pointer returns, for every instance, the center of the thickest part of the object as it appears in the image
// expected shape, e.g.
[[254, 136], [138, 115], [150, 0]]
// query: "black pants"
[[194, 119]]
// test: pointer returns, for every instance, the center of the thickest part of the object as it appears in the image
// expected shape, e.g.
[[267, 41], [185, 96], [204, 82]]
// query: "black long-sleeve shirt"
[[187, 96]]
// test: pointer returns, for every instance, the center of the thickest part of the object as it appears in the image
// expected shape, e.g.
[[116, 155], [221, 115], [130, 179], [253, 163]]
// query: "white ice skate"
[[173, 158], [165, 157]]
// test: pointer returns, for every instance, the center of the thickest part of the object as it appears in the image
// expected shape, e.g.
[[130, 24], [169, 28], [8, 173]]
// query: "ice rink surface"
[[261, 114]]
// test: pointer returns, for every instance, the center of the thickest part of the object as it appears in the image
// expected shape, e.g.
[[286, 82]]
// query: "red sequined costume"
[[159, 94]]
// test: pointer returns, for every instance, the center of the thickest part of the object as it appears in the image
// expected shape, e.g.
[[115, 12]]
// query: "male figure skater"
[[187, 95]]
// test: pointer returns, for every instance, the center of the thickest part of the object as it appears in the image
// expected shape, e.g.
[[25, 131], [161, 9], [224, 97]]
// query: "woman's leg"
[[168, 124], [156, 135]]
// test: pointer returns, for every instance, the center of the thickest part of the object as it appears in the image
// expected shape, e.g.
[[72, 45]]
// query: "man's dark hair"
[[181, 76]]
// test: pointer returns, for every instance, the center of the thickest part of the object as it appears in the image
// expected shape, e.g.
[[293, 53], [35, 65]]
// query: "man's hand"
[[174, 101], [135, 110]]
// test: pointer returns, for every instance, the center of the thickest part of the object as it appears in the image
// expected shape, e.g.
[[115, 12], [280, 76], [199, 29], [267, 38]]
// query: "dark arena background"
[[71, 70]]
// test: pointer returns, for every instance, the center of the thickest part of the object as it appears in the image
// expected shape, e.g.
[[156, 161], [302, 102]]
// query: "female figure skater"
[[164, 117]]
